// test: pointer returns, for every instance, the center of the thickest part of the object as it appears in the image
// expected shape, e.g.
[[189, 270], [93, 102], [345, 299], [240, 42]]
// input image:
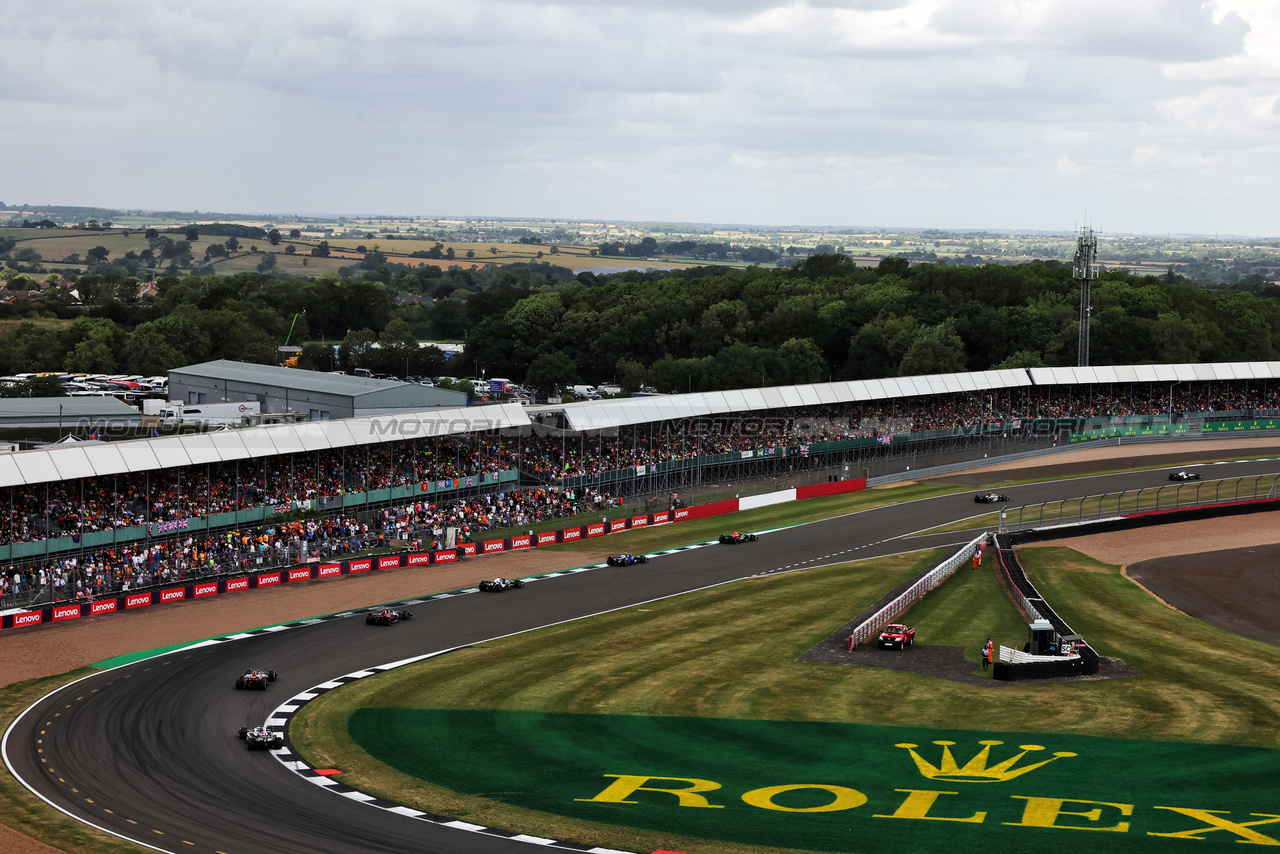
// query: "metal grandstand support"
[[1086, 270]]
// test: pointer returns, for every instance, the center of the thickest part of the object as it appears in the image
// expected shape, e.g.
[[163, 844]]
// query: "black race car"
[[254, 678], [737, 537], [260, 738], [626, 559], [989, 498], [386, 617], [499, 584], [1184, 475]]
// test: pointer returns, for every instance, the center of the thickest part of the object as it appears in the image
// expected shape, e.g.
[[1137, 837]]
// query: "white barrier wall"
[[751, 502]]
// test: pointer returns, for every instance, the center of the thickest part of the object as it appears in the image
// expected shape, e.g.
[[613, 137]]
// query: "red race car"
[[897, 636], [255, 679]]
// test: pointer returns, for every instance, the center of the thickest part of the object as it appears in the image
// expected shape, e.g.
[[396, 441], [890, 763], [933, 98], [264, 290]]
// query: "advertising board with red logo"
[[329, 570], [209, 588], [268, 579], [596, 529], [617, 525], [389, 562], [570, 534], [681, 513], [300, 574], [419, 559], [137, 600], [662, 518], [105, 606], [547, 538], [522, 542], [639, 521], [491, 546], [468, 549], [362, 565], [237, 584], [28, 618], [445, 557], [173, 594], [66, 612]]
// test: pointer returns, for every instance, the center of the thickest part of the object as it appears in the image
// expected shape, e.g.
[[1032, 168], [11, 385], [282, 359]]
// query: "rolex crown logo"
[[976, 770]]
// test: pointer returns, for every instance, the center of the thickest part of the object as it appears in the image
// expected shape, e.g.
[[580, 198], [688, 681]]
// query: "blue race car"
[[626, 559]]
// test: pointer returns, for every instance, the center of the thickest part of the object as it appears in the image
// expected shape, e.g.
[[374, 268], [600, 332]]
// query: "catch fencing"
[[1139, 502], [872, 625]]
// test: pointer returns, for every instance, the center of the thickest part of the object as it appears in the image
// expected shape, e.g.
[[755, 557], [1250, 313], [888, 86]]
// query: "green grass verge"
[[730, 653], [23, 811]]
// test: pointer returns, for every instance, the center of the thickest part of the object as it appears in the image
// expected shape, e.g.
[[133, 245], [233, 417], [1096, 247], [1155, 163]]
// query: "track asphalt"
[[149, 751]]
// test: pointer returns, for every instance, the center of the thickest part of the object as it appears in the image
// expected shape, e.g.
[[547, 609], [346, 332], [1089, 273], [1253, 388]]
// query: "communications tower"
[[1085, 268]]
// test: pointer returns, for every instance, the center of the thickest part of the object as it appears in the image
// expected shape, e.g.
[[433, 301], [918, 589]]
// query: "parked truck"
[[209, 414]]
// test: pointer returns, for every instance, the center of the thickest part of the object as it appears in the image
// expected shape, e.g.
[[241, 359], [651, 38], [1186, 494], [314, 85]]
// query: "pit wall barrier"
[[1085, 663], [195, 589], [871, 627]]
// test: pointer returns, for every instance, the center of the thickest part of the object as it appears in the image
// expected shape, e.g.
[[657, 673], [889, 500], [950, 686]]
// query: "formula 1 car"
[[626, 559], [499, 584], [737, 537], [989, 498], [897, 636], [260, 738], [254, 678], [386, 617], [1184, 475]]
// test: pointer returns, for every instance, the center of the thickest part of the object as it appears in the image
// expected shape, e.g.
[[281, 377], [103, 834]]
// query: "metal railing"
[[913, 594], [1131, 502]]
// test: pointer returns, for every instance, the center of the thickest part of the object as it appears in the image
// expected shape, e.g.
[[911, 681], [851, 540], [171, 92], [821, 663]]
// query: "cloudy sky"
[[1145, 116]]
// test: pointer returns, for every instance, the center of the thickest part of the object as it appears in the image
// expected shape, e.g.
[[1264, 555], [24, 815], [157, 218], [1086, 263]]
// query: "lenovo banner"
[[300, 574], [137, 600], [662, 518], [28, 618], [568, 535], [362, 565], [329, 570], [617, 525], [639, 521], [173, 594], [833, 488], [715, 508], [419, 559], [237, 584], [522, 542], [468, 549], [681, 513], [209, 589], [105, 606], [444, 557], [547, 538], [389, 562], [269, 579], [491, 546], [596, 529], [66, 612]]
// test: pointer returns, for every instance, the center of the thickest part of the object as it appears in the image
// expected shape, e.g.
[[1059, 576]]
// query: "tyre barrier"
[[1086, 663], [198, 588]]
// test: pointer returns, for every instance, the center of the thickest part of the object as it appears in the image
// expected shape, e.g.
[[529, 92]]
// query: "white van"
[[582, 392]]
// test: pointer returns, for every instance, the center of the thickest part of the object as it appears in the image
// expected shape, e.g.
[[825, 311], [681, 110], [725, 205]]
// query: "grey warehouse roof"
[[293, 378], [70, 407], [107, 458]]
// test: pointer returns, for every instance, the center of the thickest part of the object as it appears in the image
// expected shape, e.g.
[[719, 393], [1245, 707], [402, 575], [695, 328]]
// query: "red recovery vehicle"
[[897, 636]]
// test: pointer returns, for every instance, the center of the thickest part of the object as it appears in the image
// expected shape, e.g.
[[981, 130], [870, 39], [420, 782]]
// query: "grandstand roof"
[[607, 414], [72, 461]]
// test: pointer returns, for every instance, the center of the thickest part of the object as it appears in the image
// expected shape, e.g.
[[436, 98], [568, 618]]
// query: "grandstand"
[[88, 519]]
